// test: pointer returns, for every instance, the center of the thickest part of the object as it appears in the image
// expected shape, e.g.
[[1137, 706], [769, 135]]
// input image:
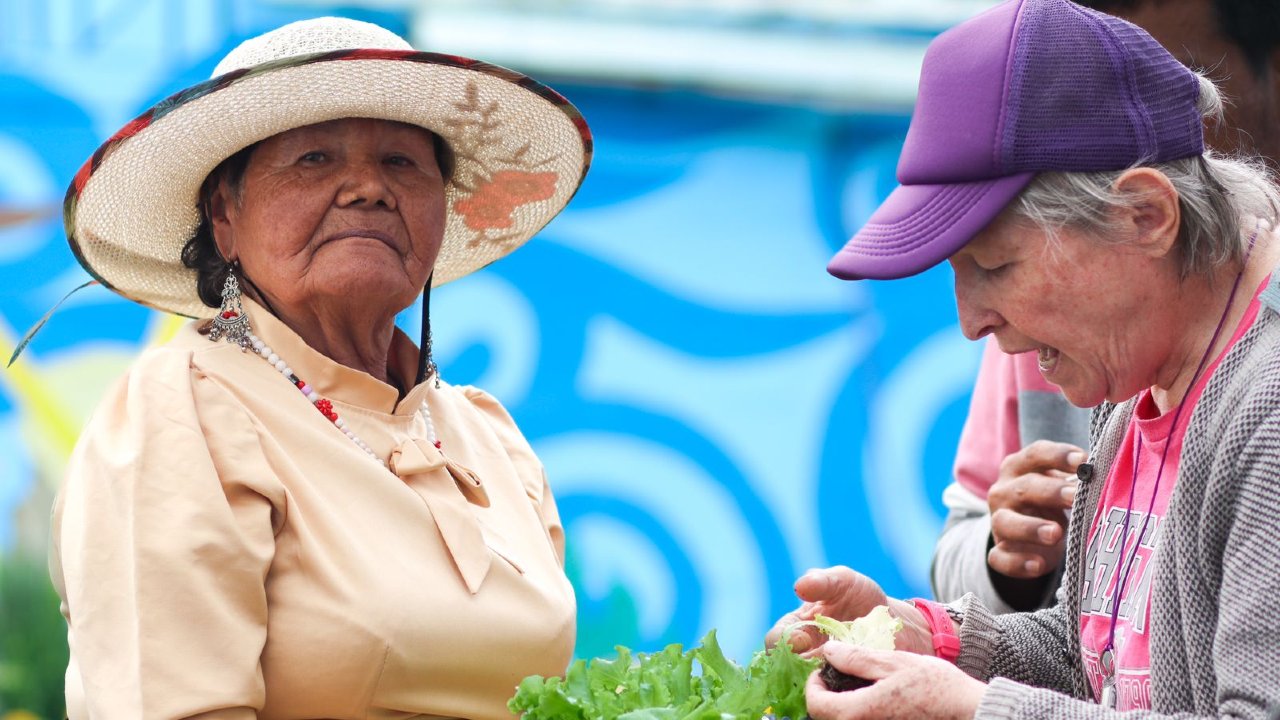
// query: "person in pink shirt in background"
[[1021, 439], [1014, 476], [1056, 160]]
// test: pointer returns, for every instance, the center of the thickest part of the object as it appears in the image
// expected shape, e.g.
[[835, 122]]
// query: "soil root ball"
[[840, 682]]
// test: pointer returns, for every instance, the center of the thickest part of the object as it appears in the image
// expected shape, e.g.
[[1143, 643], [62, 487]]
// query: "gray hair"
[[1215, 193]]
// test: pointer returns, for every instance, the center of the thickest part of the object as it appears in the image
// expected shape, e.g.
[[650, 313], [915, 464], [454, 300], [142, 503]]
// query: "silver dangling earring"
[[231, 322]]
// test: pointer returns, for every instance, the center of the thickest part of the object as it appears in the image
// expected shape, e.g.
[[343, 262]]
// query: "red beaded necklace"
[[233, 324]]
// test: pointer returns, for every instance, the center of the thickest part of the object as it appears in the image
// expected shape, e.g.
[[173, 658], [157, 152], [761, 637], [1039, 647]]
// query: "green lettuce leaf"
[[875, 630], [673, 684]]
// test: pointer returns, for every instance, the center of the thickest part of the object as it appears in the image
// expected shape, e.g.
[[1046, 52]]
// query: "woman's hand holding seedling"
[[844, 594], [863, 676], [906, 685]]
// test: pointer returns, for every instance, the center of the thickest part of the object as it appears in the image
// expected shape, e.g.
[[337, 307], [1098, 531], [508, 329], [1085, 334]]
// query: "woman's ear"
[[1156, 215], [221, 210]]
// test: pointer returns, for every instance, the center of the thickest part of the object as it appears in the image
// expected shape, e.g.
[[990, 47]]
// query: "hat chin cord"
[[426, 365], [258, 295]]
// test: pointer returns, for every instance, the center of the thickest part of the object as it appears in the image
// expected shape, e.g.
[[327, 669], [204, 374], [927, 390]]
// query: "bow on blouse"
[[449, 490]]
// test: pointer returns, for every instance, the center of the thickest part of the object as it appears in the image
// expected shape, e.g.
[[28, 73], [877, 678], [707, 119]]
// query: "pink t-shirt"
[[1107, 557]]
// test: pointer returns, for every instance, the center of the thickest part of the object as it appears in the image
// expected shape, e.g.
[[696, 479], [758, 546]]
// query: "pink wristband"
[[946, 644]]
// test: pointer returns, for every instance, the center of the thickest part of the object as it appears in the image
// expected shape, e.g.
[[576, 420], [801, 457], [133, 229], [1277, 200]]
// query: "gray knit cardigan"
[[1215, 596]]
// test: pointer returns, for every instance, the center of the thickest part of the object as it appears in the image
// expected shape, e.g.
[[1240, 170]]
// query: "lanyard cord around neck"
[[1127, 565]]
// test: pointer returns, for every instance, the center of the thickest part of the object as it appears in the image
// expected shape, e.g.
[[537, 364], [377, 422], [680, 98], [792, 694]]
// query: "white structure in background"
[[864, 54]]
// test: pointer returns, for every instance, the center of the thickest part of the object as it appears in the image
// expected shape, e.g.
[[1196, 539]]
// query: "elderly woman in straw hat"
[[285, 512], [1056, 160]]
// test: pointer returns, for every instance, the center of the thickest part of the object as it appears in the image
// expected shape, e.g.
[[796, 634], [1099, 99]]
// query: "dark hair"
[[445, 159], [201, 252], [1251, 25], [1254, 26]]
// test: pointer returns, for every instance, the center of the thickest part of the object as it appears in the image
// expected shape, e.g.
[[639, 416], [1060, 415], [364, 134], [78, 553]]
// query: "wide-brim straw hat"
[[520, 150]]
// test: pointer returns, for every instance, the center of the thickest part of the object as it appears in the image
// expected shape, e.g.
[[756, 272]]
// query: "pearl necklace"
[[323, 404]]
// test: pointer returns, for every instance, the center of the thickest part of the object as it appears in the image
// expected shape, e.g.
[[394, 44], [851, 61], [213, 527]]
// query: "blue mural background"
[[715, 412]]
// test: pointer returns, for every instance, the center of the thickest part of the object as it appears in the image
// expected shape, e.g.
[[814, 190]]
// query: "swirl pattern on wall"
[[715, 413]]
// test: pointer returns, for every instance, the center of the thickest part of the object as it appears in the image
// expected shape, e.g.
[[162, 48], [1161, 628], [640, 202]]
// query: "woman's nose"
[[365, 184], [977, 317]]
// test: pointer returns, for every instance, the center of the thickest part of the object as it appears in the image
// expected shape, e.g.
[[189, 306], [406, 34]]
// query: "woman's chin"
[[378, 293], [1083, 396], [1083, 401], [1057, 370]]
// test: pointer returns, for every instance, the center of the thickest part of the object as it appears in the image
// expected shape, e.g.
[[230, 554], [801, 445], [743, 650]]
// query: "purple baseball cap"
[[1026, 87]]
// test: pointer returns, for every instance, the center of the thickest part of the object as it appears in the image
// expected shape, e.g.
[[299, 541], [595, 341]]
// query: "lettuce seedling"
[[875, 630], [698, 684]]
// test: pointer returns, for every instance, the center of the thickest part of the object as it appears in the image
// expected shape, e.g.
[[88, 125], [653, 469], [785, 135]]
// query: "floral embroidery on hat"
[[490, 205], [499, 183]]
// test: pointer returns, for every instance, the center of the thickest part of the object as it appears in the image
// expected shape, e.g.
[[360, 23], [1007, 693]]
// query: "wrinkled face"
[[1083, 305], [346, 211]]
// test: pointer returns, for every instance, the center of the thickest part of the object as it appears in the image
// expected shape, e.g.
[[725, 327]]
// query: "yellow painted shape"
[[40, 406], [163, 327], [56, 398]]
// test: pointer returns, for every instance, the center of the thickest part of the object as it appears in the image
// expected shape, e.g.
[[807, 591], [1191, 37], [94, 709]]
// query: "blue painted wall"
[[716, 413]]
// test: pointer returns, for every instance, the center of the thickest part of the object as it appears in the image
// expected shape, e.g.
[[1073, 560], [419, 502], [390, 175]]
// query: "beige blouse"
[[223, 550]]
